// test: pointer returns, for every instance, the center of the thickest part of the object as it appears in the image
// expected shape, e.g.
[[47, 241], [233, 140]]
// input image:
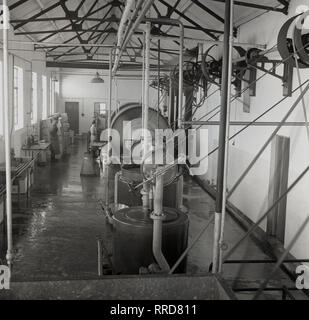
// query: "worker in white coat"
[[93, 133]]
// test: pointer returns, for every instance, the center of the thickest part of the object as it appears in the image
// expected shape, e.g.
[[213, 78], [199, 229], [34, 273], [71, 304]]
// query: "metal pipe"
[[180, 193], [100, 258], [245, 261], [110, 83], [223, 137], [181, 49], [268, 141], [170, 101], [138, 20], [125, 16], [143, 76], [123, 35], [211, 42], [158, 217], [145, 191], [58, 44], [245, 123], [43, 44], [117, 175], [7, 136]]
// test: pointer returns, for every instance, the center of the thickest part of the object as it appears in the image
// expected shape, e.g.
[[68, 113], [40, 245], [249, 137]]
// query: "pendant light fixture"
[[97, 79]]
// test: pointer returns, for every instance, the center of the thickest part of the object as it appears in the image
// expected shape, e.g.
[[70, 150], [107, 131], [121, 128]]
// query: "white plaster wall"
[[24, 56], [78, 88], [252, 195]]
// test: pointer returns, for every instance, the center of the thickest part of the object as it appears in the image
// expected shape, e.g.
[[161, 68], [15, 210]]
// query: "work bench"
[[38, 150], [22, 170]]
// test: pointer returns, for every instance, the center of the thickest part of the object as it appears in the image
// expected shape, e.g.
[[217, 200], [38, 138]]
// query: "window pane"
[[44, 97]]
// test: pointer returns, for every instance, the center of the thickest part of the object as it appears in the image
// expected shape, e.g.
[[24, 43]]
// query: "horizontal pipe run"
[[245, 123], [265, 289], [265, 261], [235, 44]]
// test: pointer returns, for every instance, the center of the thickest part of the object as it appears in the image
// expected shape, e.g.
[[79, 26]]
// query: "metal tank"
[[133, 234], [130, 175]]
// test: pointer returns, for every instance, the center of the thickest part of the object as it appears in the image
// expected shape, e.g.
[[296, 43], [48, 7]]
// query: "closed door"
[[72, 110]]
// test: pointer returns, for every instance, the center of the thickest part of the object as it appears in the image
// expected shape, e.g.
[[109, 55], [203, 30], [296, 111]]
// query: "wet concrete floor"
[[56, 231]]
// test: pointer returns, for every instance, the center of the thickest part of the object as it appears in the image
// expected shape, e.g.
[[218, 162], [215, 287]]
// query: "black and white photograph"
[[154, 154]]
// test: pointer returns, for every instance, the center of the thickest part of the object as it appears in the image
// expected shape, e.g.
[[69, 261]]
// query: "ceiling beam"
[[74, 25], [80, 5], [42, 12], [101, 66], [67, 42], [17, 4], [188, 19], [88, 14], [65, 31], [211, 12], [54, 19], [170, 10], [256, 6]]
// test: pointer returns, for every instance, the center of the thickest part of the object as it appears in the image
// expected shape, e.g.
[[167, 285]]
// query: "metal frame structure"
[[95, 35], [95, 41]]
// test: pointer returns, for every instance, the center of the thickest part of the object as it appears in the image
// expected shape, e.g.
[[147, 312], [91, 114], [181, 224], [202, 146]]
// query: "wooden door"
[[72, 110]]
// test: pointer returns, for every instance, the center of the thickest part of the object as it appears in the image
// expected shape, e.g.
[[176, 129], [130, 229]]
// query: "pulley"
[[285, 44]]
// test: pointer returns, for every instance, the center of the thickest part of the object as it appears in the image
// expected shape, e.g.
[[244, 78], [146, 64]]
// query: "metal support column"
[[223, 137], [145, 191], [7, 137], [109, 162]]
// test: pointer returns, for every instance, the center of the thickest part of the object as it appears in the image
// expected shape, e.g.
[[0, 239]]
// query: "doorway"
[[72, 110]]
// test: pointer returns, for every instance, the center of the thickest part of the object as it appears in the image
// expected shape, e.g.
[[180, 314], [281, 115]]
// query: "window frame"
[[34, 98], [98, 111], [18, 97], [44, 98]]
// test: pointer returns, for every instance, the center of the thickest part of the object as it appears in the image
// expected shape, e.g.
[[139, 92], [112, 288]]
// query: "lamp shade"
[[97, 79]]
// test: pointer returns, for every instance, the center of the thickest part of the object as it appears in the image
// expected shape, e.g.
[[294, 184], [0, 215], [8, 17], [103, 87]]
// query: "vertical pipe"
[[145, 190], [117, 175], [158, 217], [146, 90], [159, 74], [223, 136], [179, 202], [110, 82], [7, 137], [100, 262], [170, 105], [143, 79], [180, 84]]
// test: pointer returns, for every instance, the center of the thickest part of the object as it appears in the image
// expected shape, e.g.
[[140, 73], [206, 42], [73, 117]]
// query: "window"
[[100, 108], [34, 98], [54, 92], [18, 98], [51, 97], [44, 98]]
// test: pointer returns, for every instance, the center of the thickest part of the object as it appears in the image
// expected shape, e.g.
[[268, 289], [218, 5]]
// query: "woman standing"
[[93, 133]]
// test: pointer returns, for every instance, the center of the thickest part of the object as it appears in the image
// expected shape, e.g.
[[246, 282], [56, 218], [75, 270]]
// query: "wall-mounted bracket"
[[286, 78]]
